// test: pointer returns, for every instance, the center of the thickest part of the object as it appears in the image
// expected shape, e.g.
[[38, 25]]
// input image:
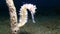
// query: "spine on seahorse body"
[[23, 16]]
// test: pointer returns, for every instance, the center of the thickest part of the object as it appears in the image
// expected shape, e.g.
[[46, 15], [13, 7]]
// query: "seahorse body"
[[24, 14]]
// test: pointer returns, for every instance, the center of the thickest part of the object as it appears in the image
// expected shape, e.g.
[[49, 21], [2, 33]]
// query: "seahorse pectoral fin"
[[32, 15]]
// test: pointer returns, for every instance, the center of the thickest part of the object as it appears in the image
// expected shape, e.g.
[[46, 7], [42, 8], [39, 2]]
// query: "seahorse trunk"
[[23, 17], [13, 15]]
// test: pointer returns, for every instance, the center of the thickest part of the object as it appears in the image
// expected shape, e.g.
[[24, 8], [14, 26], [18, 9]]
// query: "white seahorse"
[[24, 15]]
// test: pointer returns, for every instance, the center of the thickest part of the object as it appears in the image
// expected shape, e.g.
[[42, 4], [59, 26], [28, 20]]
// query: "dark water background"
[[44, 7]]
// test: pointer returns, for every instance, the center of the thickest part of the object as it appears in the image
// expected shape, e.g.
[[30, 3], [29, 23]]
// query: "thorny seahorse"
[[24, 14]]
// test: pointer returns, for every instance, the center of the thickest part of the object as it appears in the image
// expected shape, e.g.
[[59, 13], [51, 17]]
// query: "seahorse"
[[24, 14]]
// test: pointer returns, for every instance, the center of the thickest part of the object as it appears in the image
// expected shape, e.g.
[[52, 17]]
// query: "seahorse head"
[[32, 8]]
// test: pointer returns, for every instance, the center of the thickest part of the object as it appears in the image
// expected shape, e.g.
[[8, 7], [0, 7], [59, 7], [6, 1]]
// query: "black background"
[[44, 7]]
